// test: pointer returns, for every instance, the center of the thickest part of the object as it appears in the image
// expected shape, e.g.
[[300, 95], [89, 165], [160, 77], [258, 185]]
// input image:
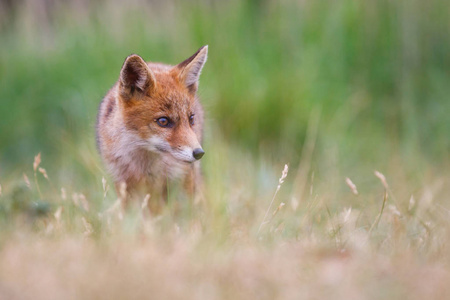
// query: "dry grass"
[[181, 267], [232, 246]]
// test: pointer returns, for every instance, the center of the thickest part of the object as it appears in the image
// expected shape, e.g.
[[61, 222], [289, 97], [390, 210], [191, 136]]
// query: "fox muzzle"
[[198, 153]]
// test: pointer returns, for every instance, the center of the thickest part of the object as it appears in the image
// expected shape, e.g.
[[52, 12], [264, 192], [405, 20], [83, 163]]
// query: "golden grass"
[[242, 243], [181, 266]]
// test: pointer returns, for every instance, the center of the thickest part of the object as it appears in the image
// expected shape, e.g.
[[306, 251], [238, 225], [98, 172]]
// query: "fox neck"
[[133, 163]]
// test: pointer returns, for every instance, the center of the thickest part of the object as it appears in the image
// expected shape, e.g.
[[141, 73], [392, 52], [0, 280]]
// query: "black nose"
[[198, 153]]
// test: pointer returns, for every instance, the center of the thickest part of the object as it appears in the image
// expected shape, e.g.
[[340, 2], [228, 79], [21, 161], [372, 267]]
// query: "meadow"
[[327, 166]]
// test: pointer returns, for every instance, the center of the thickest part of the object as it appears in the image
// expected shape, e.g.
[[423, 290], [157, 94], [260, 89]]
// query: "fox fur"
[[150, 124]]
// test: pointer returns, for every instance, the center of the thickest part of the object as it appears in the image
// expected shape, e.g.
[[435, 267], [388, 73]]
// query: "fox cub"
[[149, 126]]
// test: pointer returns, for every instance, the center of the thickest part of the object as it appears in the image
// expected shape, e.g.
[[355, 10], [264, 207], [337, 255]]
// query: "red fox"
[[149, 126]]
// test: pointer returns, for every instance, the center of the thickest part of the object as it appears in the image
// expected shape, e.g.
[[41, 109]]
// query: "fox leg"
[[193, 184], [158, 195], [134, 193]]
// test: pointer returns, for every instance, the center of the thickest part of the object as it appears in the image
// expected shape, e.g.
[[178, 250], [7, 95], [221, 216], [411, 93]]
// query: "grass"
[[334, 89], [243, 242]]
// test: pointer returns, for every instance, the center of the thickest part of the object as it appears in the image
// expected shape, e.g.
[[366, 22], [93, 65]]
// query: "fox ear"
[[135, 77], [190, 69]]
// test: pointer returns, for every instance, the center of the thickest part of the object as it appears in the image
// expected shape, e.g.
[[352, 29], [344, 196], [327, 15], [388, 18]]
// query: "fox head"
[[159, 105]]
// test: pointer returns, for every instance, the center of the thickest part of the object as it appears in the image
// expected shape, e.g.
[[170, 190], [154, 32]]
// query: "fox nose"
[[198, 153]]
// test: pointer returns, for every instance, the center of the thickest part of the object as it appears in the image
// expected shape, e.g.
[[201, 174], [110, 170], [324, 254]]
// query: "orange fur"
[[134, 145]]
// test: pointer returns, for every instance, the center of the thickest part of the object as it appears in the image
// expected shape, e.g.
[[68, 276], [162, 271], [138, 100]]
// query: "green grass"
[[335, 89]]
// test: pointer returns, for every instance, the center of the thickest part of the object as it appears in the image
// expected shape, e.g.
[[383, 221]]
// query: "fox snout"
[[187, 154], [198, 153]]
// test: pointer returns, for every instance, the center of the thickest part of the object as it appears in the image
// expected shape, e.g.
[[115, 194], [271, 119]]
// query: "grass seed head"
[[37, 161], [27, 181], [382, 179], [351, 185], [145, 201], [105, 187], [394, 210], [283, 174], [58, 213], [346, 214], [43, 172]]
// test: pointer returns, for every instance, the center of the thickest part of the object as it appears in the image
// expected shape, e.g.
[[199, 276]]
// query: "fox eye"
[[163, 122], [191, 120]]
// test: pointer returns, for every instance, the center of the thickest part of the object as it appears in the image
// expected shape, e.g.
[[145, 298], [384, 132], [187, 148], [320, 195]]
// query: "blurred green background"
[[369, 80]]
